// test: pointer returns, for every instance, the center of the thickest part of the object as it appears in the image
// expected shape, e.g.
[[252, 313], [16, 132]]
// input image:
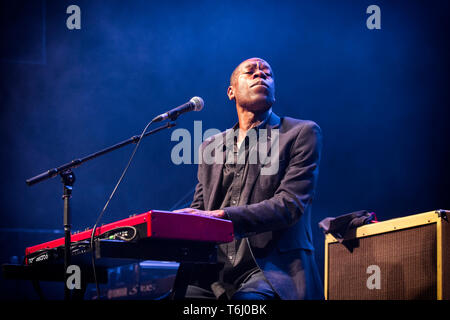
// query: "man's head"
[[252, 85]]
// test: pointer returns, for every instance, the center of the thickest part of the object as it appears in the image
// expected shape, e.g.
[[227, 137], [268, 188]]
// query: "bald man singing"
[[269, 204]]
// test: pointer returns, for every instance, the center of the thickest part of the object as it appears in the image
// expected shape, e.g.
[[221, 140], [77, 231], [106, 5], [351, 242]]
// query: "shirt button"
[[233, 202], [230, 257]]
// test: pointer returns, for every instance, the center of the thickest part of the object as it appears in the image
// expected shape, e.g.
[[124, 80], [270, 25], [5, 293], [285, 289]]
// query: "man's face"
[[252, 85]]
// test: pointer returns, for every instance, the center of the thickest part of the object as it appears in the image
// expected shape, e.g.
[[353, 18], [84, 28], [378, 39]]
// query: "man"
[[272, 254]]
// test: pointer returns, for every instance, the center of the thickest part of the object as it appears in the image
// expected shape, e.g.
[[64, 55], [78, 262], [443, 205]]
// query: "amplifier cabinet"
[[399, 259]]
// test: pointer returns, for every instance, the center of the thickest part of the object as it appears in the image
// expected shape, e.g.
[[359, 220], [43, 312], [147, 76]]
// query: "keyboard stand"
[[114, 253]]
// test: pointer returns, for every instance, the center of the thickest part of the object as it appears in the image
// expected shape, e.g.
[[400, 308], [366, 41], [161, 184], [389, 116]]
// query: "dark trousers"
[[255, 287]]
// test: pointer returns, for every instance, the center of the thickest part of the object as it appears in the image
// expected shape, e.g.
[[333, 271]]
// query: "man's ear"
[[230, 92]]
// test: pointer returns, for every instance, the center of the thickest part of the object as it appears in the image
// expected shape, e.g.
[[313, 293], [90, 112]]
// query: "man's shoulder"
[[218, 137], [302, 133], [289, 121]]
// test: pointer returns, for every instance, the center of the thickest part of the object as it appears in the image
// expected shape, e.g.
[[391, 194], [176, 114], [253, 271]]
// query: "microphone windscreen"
[[198, 103]]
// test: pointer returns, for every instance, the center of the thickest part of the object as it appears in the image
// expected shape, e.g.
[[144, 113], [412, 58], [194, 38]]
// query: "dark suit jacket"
[[275, 210]]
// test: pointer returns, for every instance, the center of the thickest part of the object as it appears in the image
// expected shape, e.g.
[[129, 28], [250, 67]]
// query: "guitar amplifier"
[[399, 259]]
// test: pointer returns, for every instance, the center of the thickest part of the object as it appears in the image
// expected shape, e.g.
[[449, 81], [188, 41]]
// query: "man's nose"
[[260, 74]]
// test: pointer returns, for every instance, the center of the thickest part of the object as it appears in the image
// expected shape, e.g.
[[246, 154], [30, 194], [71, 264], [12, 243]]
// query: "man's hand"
[[214, 213]]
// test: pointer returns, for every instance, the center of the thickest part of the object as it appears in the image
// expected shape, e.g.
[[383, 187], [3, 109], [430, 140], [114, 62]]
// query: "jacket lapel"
[[254, 170], [217, 174]]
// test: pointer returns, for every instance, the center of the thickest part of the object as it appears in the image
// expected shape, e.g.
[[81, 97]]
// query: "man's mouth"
[[259, 83]]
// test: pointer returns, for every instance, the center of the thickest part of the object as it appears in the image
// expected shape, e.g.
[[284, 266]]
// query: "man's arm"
[[294, 194], [197, 203]]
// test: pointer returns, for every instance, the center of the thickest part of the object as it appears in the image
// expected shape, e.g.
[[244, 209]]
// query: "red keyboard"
[[152, 224]]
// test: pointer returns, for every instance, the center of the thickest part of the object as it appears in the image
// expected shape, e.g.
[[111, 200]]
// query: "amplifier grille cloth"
[[407, 262]]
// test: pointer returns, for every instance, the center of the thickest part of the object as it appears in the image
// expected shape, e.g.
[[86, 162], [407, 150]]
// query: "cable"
[[107, 203]]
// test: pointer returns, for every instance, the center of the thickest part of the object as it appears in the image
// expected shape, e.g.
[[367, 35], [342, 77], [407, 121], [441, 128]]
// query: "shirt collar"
[[259, 126]]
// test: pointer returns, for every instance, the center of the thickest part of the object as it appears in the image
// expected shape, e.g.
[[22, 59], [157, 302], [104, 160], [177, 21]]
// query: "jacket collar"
[[270, 122]]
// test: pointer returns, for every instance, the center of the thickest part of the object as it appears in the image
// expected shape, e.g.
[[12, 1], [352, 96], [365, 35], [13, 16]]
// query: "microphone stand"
[[68, 179]]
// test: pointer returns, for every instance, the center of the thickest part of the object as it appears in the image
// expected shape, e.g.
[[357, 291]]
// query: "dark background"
[[380, 96]]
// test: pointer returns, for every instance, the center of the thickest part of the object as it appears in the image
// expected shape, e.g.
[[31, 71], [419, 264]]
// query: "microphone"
[[195, 104]]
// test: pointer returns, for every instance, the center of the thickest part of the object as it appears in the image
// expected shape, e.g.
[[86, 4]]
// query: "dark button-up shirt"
[[236, 256]]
